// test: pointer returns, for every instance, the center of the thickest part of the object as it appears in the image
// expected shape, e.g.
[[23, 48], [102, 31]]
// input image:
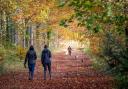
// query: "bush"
[[97, 61], [2, 53], [122, 81], [10, 60], [116, 57], [114, 52], [21, 52]]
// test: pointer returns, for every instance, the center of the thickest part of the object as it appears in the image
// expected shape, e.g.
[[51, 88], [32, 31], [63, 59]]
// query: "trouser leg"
[[49, 69], [30, 69], [44, 75], [29, 75], [45, 69], [32, 72], [69, 52]]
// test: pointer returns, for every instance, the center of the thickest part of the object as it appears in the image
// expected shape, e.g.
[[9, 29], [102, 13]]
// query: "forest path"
[[68, 72]]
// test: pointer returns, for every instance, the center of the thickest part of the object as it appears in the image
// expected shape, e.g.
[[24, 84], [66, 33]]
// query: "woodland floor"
[[68, 72]]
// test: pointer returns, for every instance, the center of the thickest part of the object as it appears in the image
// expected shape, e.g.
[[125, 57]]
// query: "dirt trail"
[[68, 72]]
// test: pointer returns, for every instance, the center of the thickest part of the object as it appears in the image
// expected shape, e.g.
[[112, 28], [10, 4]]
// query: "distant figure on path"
[[46, 60], [69, 50], [31, 59]]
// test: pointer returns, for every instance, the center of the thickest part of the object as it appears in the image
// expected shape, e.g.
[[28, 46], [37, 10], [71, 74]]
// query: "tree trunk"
[[31, 36], [1, 25], [24, 44], [126, 33], [7, 30], [16, 38]]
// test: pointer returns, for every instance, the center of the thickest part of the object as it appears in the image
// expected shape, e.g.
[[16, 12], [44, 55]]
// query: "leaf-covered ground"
[[68, 72]]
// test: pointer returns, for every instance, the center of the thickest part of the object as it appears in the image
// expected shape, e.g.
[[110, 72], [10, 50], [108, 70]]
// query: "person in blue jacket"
[[46, 60], [31, 59]]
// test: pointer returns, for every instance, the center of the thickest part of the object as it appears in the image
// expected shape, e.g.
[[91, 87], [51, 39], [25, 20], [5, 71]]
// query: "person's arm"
[[35, 56], [26, 59], [42, 57], [50, 55]]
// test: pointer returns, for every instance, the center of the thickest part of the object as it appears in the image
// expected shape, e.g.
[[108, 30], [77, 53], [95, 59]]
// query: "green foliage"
[[98, 63], [11, 61], [122, 81], [21, 52], [8, 6], [49, 34], [98, 12], [63, 23], [2, 53], [16, 17], [115, 50], [115, 55], [61, 3]]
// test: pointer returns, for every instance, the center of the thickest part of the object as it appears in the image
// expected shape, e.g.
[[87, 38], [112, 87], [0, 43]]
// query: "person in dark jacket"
[[46, 60], [31, 59], [69, 50]]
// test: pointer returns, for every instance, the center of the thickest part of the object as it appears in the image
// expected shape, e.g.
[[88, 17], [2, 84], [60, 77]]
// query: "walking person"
[[31, 59], [69, 50], [46, 60]]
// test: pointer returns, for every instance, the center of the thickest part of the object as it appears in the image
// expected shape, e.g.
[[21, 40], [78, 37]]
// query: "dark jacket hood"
[[45, 49], [31, 48]]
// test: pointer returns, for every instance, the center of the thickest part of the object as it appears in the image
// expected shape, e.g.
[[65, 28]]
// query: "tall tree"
[[7, 8]]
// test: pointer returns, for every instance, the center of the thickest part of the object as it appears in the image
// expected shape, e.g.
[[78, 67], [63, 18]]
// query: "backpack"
[[31, 57], [46, 56]]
